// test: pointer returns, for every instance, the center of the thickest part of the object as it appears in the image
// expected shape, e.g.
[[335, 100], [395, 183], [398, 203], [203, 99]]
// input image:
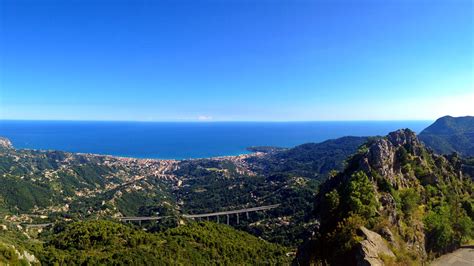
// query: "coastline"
[[184, 141], [130, 159], [127, 158]]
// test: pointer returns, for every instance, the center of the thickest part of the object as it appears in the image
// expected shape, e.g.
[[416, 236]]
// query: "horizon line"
[[220, 121]]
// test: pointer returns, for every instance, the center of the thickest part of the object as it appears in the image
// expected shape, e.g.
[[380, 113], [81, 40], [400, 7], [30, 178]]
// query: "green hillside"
[[450, 134], [104, 242], [310, 160], [394, 203]]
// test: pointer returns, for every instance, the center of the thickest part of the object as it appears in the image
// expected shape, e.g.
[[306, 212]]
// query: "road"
[[461, 257], [38, 225]]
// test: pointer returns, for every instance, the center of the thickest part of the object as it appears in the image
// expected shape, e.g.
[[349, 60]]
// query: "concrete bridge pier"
[[237, 218], [227, 219], [247, 214], [217, 218]]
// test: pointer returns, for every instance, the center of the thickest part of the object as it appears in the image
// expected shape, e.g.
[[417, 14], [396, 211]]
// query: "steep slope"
[[395, 202], [450, 134], [17, 248]]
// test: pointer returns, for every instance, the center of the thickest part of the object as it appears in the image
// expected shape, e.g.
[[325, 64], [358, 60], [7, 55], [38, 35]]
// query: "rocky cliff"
[[417, 201]]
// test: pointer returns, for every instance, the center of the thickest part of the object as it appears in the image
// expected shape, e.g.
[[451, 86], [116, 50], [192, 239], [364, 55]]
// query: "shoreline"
[[127, 158]]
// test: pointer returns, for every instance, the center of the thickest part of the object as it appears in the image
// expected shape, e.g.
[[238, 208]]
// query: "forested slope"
[[395, 202], [450, 134]]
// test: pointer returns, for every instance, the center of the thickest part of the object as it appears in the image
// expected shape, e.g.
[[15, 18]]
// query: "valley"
[[292, 198]]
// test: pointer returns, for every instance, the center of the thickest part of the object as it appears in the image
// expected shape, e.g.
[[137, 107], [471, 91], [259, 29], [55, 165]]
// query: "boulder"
[[370, 250]]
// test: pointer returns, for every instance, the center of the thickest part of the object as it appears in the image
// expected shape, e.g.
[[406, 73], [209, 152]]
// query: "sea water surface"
[[181, 140]]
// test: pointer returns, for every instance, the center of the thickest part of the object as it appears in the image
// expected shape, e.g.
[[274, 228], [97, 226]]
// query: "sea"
[[184, 140]]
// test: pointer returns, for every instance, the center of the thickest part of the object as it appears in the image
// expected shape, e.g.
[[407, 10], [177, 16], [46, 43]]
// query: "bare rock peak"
[[402, 137]]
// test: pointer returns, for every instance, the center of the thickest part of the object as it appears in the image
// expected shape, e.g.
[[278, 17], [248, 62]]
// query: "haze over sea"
[[182, 140]]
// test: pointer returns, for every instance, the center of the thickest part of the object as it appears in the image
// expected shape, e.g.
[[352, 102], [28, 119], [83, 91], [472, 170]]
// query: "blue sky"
[[235, 60]]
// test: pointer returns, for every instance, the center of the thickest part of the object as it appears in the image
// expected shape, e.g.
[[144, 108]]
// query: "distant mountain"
[[450, 134], [395, 203]]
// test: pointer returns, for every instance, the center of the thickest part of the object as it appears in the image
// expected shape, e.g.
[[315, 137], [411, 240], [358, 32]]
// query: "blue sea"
[[182, 140]]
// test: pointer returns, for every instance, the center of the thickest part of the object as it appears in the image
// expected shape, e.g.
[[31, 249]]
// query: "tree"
[[439, 228], [332, 199], [361, 196], [409, 199]]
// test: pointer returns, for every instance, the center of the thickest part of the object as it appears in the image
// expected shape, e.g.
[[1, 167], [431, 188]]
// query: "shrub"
[[361, 196]]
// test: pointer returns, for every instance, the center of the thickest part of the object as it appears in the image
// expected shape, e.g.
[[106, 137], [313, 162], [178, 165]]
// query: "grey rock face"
[[403, 137], [389, 207], [371, 248], [382, 157]]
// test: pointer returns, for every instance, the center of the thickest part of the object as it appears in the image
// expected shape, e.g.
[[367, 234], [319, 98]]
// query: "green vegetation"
[[311, 160], [419, 198], [450, 134], [8, 255], [64, 185], [207, 190], [13, 246], [17, 195], [360, 196], [104, 242], [418, 201], [45, 182], [409, 200]]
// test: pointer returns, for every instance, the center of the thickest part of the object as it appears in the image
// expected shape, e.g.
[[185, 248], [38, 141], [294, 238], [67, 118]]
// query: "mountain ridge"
[[450, 134], [396, 188]]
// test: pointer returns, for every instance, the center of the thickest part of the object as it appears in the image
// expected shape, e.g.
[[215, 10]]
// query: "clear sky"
[[236, 60]]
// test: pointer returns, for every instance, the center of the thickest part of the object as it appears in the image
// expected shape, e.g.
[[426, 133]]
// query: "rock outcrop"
[[384, 157], [17, 256], [389, 187], [371, 249]]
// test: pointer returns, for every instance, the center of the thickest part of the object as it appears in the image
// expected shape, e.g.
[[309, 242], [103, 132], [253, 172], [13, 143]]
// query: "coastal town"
[[108, 178]]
